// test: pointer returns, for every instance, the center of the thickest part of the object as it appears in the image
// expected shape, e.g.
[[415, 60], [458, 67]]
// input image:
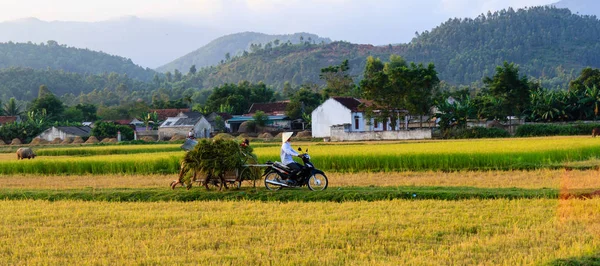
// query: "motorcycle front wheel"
[[317, 182], [272, 177]]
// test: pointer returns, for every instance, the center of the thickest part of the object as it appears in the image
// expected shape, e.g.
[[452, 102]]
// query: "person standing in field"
[[191, 134], [287, 153]]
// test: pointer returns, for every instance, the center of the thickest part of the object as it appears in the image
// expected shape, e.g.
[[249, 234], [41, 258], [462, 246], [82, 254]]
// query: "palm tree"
[[591, 99], [12, 108]]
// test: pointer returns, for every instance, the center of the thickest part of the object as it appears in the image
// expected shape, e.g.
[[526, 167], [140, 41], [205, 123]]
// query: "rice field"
[[537, 179], [497, 229], [477, 155], [398, 232]]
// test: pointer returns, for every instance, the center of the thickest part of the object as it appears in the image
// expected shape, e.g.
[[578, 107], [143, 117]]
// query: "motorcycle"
[[278, 176]]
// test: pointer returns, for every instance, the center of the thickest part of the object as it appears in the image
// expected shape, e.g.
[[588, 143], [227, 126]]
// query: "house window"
[[356, 121], [375, 125]]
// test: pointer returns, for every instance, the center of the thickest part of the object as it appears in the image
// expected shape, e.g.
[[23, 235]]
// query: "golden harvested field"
[[490, 232], [490, 179]]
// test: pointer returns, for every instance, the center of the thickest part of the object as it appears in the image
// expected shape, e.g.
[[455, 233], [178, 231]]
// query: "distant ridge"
[[69, 59], [148, 42], [234, 44], [583, 7]]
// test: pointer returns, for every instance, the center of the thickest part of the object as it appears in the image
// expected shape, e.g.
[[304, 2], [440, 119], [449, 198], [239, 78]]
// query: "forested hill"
[[69, 59], [542, 40], [24, 83], [235, 44], [546, 42]]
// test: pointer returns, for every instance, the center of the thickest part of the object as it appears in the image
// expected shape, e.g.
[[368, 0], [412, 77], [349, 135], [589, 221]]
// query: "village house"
[[164, 113], [65, 132], [344, 118], [9, 119], [271, 109], [183, 123], [275, 111]]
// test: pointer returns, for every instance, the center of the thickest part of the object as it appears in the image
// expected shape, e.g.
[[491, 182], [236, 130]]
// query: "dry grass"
[[492, 179], [490, 232]]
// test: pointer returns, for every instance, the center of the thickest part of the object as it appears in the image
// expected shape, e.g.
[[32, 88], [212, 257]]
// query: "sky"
[[358, 21]]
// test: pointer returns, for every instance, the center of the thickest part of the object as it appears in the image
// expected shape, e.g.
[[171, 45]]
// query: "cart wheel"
[[215, 182], [245, 175]]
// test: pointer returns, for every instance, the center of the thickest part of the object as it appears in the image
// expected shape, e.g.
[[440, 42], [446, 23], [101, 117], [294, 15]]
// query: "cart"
[[244, 176], [248, 173]]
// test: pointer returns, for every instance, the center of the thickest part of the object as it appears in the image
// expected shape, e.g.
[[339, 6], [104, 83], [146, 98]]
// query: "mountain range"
[[234, 45], [547, 43], [148, 42]]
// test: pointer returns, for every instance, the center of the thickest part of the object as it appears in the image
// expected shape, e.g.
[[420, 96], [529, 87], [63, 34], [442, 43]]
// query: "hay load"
[[92, 140], [113, 140], [2, 142], [67, 140], [223, 136], [77, 140], [213, 160], [38, 141], [16, 141], [56, 141], [265, 136], [304, 134], [105, 140], [278, 136]]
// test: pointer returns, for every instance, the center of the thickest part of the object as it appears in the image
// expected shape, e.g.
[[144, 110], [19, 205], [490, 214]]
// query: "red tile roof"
[[164, 113], [7, 119], [275, 108]]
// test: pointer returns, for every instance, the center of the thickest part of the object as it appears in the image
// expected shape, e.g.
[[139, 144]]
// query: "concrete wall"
[[146, 133], [339, 134]]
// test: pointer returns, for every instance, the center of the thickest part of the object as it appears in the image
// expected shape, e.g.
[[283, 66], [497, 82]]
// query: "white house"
[[65, 132], [347, 112], [182, 123]]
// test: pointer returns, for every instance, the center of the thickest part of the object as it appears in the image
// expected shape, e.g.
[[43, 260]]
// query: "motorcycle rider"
[[286, 154]]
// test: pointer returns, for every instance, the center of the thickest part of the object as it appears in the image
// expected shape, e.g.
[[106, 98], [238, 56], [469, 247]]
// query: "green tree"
[[454, 113], [512, 89], [72, 114], [591, 101], [338, 81], [391, 86], [422, 82], [219, 124], [12, 108], [47, 101], [110, 130], [260, 118], [192, 70], [588, 78]]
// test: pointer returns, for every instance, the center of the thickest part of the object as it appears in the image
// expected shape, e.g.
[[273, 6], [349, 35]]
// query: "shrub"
[[110, 130], [476, 133], [540, 130]]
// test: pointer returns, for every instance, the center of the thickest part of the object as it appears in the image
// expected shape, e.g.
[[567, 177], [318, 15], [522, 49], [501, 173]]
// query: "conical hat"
[[286, 136]]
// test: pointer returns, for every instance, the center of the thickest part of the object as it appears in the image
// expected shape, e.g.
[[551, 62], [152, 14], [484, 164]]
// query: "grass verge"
[[341, 194]]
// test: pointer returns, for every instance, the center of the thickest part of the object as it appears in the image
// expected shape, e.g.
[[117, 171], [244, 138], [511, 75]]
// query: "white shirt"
[[286, 153]]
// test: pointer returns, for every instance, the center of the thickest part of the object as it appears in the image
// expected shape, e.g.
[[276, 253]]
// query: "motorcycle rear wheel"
[[272, 177], [317, 182]]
